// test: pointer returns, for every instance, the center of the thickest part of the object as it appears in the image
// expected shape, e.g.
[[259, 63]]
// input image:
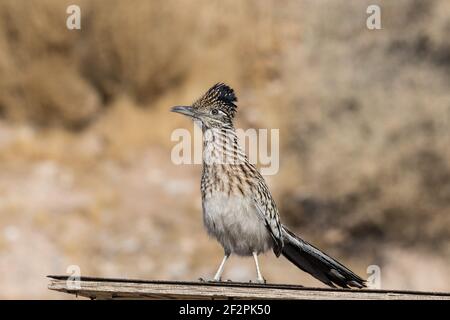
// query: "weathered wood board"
[[104, 288]]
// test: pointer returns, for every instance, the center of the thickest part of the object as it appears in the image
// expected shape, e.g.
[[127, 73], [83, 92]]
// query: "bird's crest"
[[220, 96]]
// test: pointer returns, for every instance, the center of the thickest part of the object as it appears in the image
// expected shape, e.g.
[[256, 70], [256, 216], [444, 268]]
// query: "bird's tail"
[[317, 263]]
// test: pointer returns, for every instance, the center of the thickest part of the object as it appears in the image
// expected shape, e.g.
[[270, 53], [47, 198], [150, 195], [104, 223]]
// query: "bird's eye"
[[214, 112]]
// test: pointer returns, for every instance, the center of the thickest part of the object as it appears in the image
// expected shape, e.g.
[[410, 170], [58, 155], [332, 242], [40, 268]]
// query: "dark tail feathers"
[[317, 263]]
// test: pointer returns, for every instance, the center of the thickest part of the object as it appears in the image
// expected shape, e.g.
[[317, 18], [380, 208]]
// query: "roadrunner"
[[238, 209]]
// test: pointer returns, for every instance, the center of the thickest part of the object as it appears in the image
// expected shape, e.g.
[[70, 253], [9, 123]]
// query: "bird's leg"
[[260, 278], [219, 272]]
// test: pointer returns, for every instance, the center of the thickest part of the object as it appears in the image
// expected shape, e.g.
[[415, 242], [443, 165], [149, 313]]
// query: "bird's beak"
[[186, 110]]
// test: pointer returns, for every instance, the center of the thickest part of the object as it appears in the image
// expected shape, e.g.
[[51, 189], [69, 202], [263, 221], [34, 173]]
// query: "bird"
[[238, 208]]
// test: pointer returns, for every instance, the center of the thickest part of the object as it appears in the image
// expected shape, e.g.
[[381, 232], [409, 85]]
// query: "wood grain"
[[104, 288]]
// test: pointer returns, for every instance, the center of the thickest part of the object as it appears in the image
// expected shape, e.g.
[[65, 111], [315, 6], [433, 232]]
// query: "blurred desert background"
[[85, 171]]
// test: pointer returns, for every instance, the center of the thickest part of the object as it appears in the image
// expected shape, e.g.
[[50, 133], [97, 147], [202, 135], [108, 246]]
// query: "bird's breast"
[[234, 222]]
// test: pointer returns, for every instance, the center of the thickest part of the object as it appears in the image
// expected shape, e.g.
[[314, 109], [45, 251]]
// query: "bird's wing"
[[268, 212]]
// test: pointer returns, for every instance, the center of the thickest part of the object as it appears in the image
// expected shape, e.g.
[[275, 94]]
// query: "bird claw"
[[259, 281], [209, 280]]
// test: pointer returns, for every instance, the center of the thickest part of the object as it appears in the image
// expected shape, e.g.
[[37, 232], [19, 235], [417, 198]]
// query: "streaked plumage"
[[238, 209]]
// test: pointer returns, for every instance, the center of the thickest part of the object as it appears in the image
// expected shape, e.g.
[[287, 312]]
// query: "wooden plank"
[[104, 288]]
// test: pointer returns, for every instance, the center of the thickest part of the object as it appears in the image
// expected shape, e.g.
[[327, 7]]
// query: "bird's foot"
[[210, 280], [259, 281]]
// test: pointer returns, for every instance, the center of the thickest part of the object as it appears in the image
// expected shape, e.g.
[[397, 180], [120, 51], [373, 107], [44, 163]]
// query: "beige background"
[[85, 170]]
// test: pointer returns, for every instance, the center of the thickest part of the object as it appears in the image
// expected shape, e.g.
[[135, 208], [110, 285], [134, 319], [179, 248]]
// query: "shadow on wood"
[[104, 288]]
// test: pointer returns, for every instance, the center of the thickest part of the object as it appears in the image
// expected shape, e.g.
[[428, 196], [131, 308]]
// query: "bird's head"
[[215, 109]]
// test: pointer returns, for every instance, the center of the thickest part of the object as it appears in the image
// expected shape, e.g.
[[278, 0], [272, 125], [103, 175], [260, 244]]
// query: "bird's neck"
[[221, 147]]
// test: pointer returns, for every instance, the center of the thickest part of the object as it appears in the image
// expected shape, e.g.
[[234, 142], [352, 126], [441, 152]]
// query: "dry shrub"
[[41, 82], [141, 50], [370, 127], [49, 99]]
